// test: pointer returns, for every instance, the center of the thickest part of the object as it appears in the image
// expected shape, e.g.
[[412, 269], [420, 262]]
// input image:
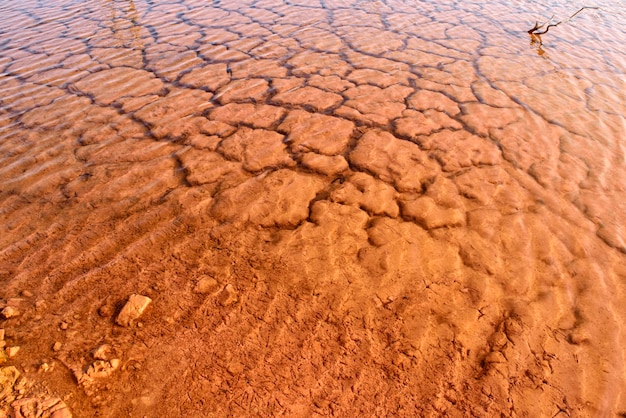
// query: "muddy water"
[[348, 208]]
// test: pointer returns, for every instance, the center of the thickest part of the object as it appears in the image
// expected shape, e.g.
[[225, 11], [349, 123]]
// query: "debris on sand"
[[9, 312], [133, 309], [8, 377], [206, 285]]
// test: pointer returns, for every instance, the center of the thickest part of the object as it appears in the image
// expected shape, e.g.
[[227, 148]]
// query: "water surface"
[[418, 206]]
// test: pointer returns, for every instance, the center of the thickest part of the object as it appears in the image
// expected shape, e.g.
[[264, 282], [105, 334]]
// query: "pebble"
[[44, 367], [64, 325], [1, 334], [57, 346], [133, 309], [206, 285], [27, 294], [103, 368], [9, 312], [103, 352], [12, 351]]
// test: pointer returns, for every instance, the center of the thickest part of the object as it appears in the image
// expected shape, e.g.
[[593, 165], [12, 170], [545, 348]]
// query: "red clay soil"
[[337, 208]]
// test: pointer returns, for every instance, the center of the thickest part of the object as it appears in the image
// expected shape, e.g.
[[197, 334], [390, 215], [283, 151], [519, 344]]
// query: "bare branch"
[[536, 29]]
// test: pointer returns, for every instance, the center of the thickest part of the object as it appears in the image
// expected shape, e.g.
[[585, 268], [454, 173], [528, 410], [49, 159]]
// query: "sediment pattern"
[[337, 208]]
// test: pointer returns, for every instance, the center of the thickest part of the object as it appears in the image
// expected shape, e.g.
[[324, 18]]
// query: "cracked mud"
[[311, 208]]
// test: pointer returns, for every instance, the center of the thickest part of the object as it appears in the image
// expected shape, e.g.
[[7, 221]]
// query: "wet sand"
[[336, 208]]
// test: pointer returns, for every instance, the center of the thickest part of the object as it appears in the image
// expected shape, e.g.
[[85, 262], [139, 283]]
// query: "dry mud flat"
[[306, 209]]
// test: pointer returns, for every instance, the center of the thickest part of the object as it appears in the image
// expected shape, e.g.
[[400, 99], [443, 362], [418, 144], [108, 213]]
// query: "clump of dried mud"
[[315, 208]]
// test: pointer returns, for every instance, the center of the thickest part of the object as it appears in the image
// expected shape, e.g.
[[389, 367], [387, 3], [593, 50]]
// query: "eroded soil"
[[336, 208]]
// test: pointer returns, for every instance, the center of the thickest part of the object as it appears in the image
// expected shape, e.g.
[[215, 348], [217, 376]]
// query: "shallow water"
[[419, 206]]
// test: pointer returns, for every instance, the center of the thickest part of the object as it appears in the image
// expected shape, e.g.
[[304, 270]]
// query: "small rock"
[[2, 343], [57, 346], [103, 368], [27, 294], [133, 309], [9, 312], [64, 325], [8, 376], [12, 351], [1, 334], [206, 285], [228, 296], [3, 356], [44, 367], [103, 352]]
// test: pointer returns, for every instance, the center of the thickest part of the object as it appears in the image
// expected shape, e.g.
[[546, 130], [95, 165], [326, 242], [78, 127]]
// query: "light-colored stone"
[[57, 346], [9, 312], [103, 368], [103, 352], [8, 377], [1, 334], [133, 309], [12, 351]]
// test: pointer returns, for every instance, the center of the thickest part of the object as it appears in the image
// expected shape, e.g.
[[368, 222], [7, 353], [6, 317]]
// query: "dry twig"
[[536, 29]]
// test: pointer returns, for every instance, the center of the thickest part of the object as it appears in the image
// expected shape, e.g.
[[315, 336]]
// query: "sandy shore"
[[338, 209]]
